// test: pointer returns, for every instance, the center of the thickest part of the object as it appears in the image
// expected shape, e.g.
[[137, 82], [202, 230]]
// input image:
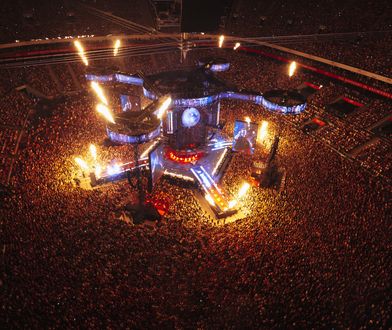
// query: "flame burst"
[[292, 68], [221, 39], [93, 152], [116, 47], [263, 131], [82, 164], [98, 171], [104, 111], [165, 105], [244, 188], [99, 92], [80, 49]]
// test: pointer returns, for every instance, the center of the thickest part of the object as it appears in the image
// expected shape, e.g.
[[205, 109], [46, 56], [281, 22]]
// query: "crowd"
[[354, 53], [316, 255], [251, 18], [47, 19]]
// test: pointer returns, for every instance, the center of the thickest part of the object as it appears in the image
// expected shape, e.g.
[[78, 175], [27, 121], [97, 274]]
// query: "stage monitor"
[[155, 159], [130, 102], [245, 135]]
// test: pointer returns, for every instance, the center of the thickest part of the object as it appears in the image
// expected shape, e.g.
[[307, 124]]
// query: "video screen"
[[245, 135], [130, 102], [155, 159]]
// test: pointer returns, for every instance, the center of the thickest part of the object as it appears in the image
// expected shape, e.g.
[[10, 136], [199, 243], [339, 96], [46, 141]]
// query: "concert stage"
[[185, 117]]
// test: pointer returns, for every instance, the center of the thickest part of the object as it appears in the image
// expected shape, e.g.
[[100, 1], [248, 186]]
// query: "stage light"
[[237, 45], [116, 47], [263, 131], [165, 105], [82, 164], [147, 151], [292, 68], [219, 162], [244, 188], [247, 119], [221, 39], [99, 92], [114, 169], [93, 151], [209, 199], [80, 49], [104, 111]]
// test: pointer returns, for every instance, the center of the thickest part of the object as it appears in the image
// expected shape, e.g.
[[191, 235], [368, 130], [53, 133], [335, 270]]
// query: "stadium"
[[159, 170]]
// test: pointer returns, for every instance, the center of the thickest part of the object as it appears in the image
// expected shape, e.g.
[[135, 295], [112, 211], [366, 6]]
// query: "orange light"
[[292, 68]]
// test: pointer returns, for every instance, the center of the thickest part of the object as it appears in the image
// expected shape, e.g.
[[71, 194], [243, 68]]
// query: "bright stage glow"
[[292, 68], [209, 199], [247, 119], [237, 45], [221, 39], [165, 105], [99, 92], [113, 169], [147, 151], [98, 171], [93, 152], [180, 176], [263, 131], [116, 47], [232, 203], [82, 164], [80, 49], [219, 161], [104, 111], [243, 190]]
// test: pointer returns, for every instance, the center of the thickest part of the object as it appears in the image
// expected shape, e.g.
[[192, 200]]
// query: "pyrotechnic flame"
[[165, 105], [98, 171], [247, 119], [93, 151], [104, 111], [99, 92], [292, 68], [232, 203], [221, 39], [116, 47], [237, 45], [83, 165], [244, 188], [263, 130], [80, 49]]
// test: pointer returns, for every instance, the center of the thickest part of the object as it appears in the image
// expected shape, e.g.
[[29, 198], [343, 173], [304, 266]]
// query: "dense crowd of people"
[[251, 18], [315, 255], [50, 19]]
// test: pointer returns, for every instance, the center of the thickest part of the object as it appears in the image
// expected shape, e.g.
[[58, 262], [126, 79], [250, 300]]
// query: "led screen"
[[130, 103], [245, 135], [156, 165]]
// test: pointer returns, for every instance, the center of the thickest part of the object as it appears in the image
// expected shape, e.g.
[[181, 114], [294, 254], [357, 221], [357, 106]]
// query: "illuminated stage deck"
[[186, 151]]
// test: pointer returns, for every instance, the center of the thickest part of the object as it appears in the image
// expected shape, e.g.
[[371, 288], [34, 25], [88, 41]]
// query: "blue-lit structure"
[[187, 124], [196, 94]]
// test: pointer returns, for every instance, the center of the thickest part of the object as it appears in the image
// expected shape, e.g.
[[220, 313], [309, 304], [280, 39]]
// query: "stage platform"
[[212, 215]]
